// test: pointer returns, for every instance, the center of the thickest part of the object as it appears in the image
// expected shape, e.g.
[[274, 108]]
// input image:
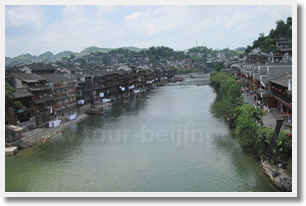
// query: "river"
[[164, 141]]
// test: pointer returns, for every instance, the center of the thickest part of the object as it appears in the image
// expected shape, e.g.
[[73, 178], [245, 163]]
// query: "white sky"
[[37, 29]]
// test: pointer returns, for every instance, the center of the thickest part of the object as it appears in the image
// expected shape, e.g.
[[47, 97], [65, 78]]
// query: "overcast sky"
[[37, 29]]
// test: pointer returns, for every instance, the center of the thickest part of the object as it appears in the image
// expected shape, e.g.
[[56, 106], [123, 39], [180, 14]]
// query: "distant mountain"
[[49, 56], [46, 56], [63, 54], [94, 49], [131, 48], [21, 59], [28, 58]]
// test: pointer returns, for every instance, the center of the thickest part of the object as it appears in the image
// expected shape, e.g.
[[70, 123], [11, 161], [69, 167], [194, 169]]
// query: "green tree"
[[268, 43], [262, 139], [248, 120], [283, 147], [72, 56], [219, 66], [9, 100], [228, 94]]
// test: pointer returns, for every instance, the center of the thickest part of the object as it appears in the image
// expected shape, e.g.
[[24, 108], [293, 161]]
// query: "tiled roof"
[[278, 71], [37, 67], [57, 78], [22, 92], [12, 70], [29, 77], [282, 79], [124, 67], [73, 69], [9, 76]]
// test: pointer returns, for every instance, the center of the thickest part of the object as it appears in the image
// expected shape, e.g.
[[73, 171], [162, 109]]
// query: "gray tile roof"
[[282, 79], [57, 78], [73, 68], [278, 71], [22, 92], [29, 77]]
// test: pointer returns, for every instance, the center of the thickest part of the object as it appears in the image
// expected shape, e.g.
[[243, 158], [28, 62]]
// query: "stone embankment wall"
[[277, 175]]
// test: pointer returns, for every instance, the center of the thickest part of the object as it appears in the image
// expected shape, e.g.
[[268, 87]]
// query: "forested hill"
[[268, 43], [155, 54], [50, 57]]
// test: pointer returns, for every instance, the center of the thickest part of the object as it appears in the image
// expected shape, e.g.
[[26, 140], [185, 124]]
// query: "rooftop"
[[282, 79], [29, 77], [57, 78], [22, 92]]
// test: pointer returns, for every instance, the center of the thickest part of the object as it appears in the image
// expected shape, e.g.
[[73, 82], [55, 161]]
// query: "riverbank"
[[156, 143], [255, 127], [32, 137], [37, 135], [278, 175], [281, 177]]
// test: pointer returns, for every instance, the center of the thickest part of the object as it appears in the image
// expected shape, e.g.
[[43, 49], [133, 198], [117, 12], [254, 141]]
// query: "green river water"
[[164, 141]]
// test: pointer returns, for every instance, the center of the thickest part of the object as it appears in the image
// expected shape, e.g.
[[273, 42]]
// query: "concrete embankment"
[[278, 175], [37, 135]]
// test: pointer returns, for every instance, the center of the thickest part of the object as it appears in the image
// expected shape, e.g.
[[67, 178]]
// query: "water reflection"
[[165, 140]]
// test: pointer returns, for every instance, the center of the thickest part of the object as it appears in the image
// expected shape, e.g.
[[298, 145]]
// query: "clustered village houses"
[[50, 92], [268, 76]]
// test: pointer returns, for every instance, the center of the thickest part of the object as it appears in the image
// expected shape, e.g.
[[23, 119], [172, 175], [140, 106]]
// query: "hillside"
[[49, 56], [268, 43], [21, 59], [240, 50]]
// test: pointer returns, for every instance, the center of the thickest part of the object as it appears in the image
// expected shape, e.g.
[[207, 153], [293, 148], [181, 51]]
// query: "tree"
[[283, 146], [72, 56], [268, 43], [228, 94], [289, 21], [247, 119], [82, 62], [220, 66], [9, 100]]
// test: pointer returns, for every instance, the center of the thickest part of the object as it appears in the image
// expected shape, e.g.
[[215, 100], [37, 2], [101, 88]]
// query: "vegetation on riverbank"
[[246, 120], [9, 100]]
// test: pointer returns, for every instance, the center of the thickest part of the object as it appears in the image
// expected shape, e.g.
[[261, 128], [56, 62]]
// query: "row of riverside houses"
[[51, 93], [269, 76]]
